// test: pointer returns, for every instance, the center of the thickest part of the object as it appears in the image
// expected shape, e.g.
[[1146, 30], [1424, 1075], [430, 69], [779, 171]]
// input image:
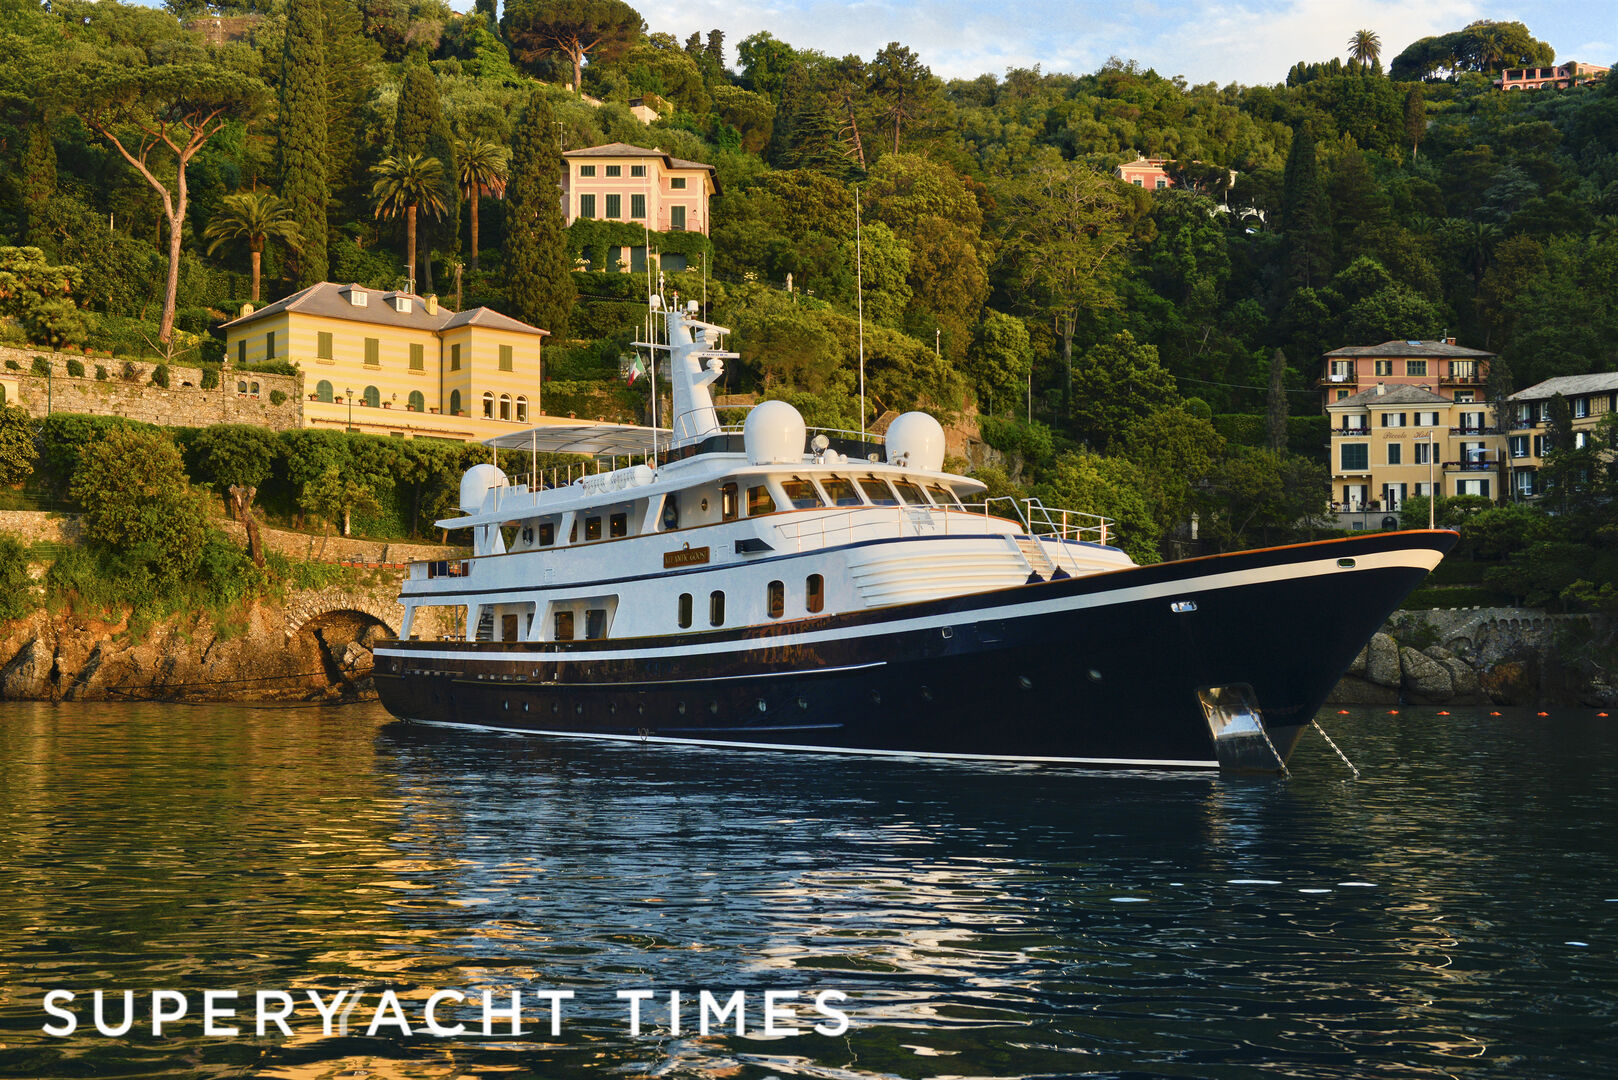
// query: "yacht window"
[[840, 490], [759, 501], [547, 533], [729, 506], [508, 628], [595, 623], [776, 599], [564, 626], [716, 609], [592, 529], [877, 491], [671, 513], [910, 493], [618, 525], [942, 495], [685, 610], [801, 493], [814, 592]]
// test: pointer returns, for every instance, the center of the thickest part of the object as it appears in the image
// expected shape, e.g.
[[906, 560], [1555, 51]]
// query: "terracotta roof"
[[327, 299], [1413, 349], [625, 150], [1397, 394], [1568, 386]]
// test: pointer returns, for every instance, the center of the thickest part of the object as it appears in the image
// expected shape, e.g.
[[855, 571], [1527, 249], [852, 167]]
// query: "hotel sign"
[[686, 556]]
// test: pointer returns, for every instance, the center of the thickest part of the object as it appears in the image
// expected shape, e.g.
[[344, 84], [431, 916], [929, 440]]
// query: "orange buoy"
[[1443, 712], [1494, 714], [1542, 714], [1601, 714], [1393, 712], [1344, 712]]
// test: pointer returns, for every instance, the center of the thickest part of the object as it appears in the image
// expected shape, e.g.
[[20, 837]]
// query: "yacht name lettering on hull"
[[686, 556]]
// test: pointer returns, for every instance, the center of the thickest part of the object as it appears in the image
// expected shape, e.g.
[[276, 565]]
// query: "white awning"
[[598, 440]]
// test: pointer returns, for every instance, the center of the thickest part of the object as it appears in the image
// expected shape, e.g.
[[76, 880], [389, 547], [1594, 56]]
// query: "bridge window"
[[776, 599], [547, 533], [323, 391], [840, 490], [564, 626], [759, 501], [801, 493], [716, 608], [595, 623], [877, 491], [729, 505], [814, 593], [942, 495], [592, 529], [618, 525], [910, 493], [685, 610]]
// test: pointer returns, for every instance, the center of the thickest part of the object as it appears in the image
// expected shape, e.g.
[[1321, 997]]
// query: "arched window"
[[522, 410], [323, 391], [417, 402], [241, 386], [255, 390], [488, 405], [505, 406], [455, 403], [373, 397]]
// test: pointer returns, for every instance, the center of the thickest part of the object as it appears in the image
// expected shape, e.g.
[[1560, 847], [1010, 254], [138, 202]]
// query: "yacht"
[[773, 587]]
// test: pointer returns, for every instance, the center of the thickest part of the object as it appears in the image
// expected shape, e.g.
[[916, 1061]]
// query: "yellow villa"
[[393, 363]]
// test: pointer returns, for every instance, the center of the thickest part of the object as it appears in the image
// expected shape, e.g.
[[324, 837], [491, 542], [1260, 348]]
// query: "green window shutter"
[[676, 218], [455, 358], [373, 351], [587, 206], [637, 207], [323, 345], [241, 351], [269, 345], [615, 206], [505, 358], [418, 358]]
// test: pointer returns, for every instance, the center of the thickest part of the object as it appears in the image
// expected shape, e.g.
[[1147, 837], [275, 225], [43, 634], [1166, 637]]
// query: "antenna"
[[859, 299]]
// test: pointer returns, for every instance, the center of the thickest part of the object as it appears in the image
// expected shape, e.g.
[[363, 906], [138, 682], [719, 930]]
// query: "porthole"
[[947, 632], [1095, 676], [803, 703], [525, 706], [1025, 682], [680, 708], [876, 698], [926, 694], [640, 709], [1346, 564], [555, 708], [713, 707], [578, 709], [505, 706], [762, 707]]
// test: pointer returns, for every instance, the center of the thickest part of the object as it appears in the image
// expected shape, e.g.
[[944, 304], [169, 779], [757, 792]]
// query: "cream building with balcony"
[[1590, 400], [392, 363], [1391, 442]]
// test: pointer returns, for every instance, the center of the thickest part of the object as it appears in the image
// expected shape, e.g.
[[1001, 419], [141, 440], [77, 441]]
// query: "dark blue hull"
[[1112, 669]]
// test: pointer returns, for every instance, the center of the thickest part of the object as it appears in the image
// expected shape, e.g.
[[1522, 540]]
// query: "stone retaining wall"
[[183, 404]]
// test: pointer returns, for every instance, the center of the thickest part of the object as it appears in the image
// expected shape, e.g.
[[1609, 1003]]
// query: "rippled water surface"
[[1454, 913]]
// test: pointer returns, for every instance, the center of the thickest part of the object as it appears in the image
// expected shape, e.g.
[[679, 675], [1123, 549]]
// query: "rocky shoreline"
[[1486, 656]]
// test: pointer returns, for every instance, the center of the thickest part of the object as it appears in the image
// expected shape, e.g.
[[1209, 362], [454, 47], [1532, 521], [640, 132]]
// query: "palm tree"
[[406, 183], [254, 217], [1365, 48], [483, 167]]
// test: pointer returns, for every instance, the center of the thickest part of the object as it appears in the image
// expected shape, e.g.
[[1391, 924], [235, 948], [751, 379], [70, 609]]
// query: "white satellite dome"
[[774, 434], [475, 485], [916, 441]]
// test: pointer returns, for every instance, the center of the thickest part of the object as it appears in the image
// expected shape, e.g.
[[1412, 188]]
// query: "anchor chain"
[[1279, 760], [1316, 725]]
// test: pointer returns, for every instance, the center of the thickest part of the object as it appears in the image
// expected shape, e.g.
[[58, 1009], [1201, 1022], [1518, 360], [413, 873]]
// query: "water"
[[1453, 914]]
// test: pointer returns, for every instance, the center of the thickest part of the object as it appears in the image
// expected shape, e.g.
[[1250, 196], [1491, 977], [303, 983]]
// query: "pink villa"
[[1145, 172], [1560, 77], [620, 182]]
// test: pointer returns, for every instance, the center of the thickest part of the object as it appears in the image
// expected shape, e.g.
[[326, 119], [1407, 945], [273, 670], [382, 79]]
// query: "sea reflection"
[[982, 921]]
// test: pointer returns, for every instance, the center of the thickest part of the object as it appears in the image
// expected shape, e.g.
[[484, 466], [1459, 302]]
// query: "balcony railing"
[[1474, 431], [1360, 431], [1470, 466]]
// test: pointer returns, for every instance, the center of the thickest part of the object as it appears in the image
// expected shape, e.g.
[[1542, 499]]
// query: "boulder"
[[1358, 666], [1464, 678], [1507, 683], [1352, 690], [1382, 661], [1439, 653], [27, 676], [1425, 677]]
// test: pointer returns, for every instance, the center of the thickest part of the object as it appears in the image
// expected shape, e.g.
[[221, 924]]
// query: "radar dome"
[[774, 434], [475, 485], [916, 441]]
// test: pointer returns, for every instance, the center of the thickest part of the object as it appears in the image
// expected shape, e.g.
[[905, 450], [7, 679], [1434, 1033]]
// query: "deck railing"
[[969, 519]]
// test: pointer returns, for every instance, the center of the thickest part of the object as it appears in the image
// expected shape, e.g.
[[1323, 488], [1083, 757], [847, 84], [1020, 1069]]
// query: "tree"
[[335, 497], [137, 503], [1118, 382], [483, 167], [1275, 404], [255, 218], [17, 451], [179, 107], [538, 267], [572, 29], [1067, 228], [1415, 119], [405, 185], [903, 83], [1111, 487], [1365, 48], [1000, 360], [302, 138], [1305, 215], [420, 128], [236, 459]]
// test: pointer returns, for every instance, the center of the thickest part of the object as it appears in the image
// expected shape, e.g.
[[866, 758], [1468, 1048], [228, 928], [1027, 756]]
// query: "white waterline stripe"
[[1424, 558], [1150, 763]]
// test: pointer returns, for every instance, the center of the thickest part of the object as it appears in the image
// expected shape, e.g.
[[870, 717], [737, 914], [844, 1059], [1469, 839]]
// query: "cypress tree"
[[1275, 404], [1305, 215], [538, 266], [38, 175], [301, 145], [419, 127]]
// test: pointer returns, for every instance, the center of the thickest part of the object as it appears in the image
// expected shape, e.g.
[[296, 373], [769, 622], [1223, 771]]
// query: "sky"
[[1220, 41]]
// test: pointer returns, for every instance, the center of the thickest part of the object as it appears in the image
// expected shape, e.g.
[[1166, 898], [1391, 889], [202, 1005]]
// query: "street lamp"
[[348, 396]]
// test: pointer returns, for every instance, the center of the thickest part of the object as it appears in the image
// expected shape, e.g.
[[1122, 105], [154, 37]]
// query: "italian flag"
[[636, 370]]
